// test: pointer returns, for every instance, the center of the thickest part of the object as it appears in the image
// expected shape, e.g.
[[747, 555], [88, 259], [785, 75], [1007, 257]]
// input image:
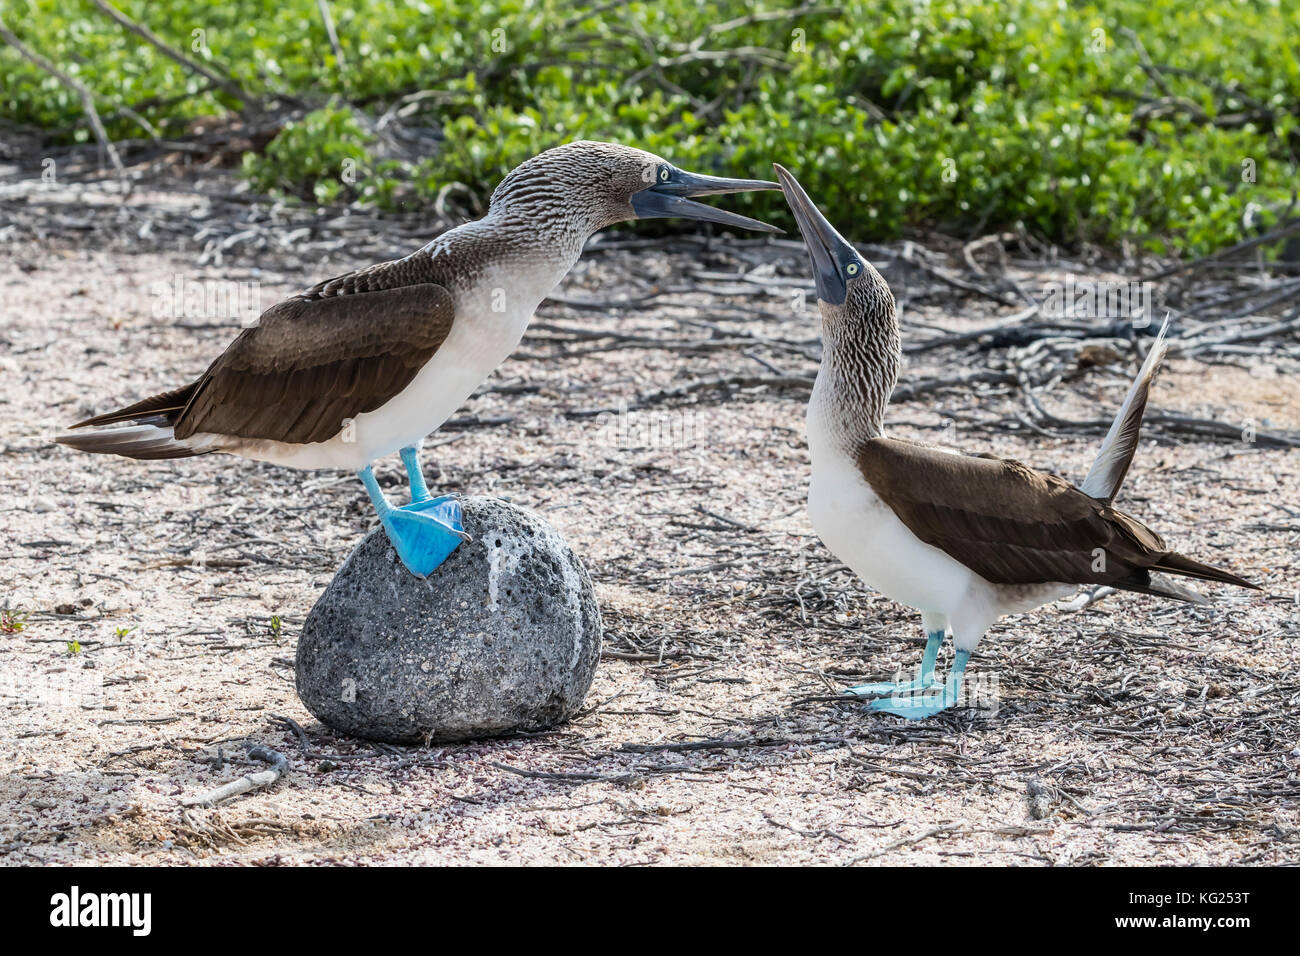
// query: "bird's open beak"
[[826, 247], [667, 199]]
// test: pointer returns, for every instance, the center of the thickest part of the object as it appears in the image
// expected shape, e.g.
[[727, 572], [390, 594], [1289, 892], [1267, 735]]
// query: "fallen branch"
[[249, 781], [1085, 599], [1273, 235], [905, 841], [729, 743], [333, 35], [308, 751], [567, 777]]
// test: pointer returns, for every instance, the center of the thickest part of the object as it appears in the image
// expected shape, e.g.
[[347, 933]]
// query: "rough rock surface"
[[503, 636]]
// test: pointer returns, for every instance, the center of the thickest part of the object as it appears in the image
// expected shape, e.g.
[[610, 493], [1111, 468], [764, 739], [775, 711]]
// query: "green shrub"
[[952, 114], [320, 157]]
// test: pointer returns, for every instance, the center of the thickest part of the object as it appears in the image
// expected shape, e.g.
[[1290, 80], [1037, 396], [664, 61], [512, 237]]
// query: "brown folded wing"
[[343, 348], [1008, 523]]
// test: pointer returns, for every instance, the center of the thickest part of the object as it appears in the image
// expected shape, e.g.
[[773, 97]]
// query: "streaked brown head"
[[594, 185], [861, 352]]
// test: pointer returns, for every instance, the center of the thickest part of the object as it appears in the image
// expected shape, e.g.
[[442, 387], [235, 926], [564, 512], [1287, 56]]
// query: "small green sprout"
[[122, 632], [11, 622], [277, 626], [74, 647]]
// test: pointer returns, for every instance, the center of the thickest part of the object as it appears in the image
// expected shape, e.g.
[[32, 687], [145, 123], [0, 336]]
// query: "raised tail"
[[1116, 454], [1107, 475], [143, 430]]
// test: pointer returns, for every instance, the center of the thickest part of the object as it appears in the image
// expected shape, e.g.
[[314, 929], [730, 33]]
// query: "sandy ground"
[[1134, 731]]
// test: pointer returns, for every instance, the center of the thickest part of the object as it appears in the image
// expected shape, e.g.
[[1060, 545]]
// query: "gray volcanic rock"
[[503, 636]]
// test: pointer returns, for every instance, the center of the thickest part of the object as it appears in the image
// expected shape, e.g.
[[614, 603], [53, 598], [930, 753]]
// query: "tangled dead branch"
[[248, 782]]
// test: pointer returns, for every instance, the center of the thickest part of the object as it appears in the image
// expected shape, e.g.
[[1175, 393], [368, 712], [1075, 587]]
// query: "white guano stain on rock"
[[503, 551]]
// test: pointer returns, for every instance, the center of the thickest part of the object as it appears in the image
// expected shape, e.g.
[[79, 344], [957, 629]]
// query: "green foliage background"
[[952, 114]]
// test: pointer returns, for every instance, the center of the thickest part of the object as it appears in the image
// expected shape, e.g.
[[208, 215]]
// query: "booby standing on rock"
[[371, 362], [964, 539]]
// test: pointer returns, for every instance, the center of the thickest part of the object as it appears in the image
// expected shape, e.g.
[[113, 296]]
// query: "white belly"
[[868, 537]]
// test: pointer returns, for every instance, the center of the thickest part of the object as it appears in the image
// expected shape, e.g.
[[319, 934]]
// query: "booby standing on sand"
[[964, 539], [371, 362]]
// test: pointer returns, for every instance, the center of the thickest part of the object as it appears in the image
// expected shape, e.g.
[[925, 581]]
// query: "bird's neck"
[[508, 255], [861, 357], [560, 234]]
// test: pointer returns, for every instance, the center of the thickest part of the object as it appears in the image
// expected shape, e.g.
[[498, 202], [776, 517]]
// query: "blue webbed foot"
[[888, 688], [924, 682], [425, 532], [916, 707], [919, 706]]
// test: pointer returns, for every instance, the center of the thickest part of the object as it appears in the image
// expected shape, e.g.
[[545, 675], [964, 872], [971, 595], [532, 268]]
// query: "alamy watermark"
[[71, 689], [1096, 299], [667, 429], [74, 908], [235, 301], [981, 690]]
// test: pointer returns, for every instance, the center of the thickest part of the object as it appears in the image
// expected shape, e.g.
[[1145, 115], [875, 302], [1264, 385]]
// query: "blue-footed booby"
[[964, 539], [371, 362]]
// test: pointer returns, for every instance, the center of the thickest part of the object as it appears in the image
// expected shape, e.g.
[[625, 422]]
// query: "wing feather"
[[1008, 523], [341, 349]]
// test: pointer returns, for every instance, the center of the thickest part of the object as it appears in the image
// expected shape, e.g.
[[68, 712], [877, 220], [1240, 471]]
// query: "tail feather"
[[1149, 580], [143, 430], [1175, 563], [148, 439], [1143, 581], [1164, 587], [1116, 454], [1107, 475], [164, 404]]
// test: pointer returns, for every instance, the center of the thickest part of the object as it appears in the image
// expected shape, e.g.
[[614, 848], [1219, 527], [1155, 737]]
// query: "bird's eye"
[[852, 269], [663, 174]]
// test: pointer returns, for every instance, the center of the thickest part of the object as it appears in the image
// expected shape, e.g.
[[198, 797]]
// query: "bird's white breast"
[[863, 532], [866, 535]]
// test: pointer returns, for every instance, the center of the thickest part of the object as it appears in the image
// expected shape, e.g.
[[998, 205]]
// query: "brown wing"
[[342, 348], [1008, 523]]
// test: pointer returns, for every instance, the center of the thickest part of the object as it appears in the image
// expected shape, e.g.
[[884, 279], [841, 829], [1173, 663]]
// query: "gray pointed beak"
[[667, 199], [826, 247], [682, 183]]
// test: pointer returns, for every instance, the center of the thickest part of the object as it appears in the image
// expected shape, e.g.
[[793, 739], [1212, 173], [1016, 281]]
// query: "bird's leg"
[[932, 643], [445, 507], [930, 703], [425, 532], [377, 496], [414, 476]]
